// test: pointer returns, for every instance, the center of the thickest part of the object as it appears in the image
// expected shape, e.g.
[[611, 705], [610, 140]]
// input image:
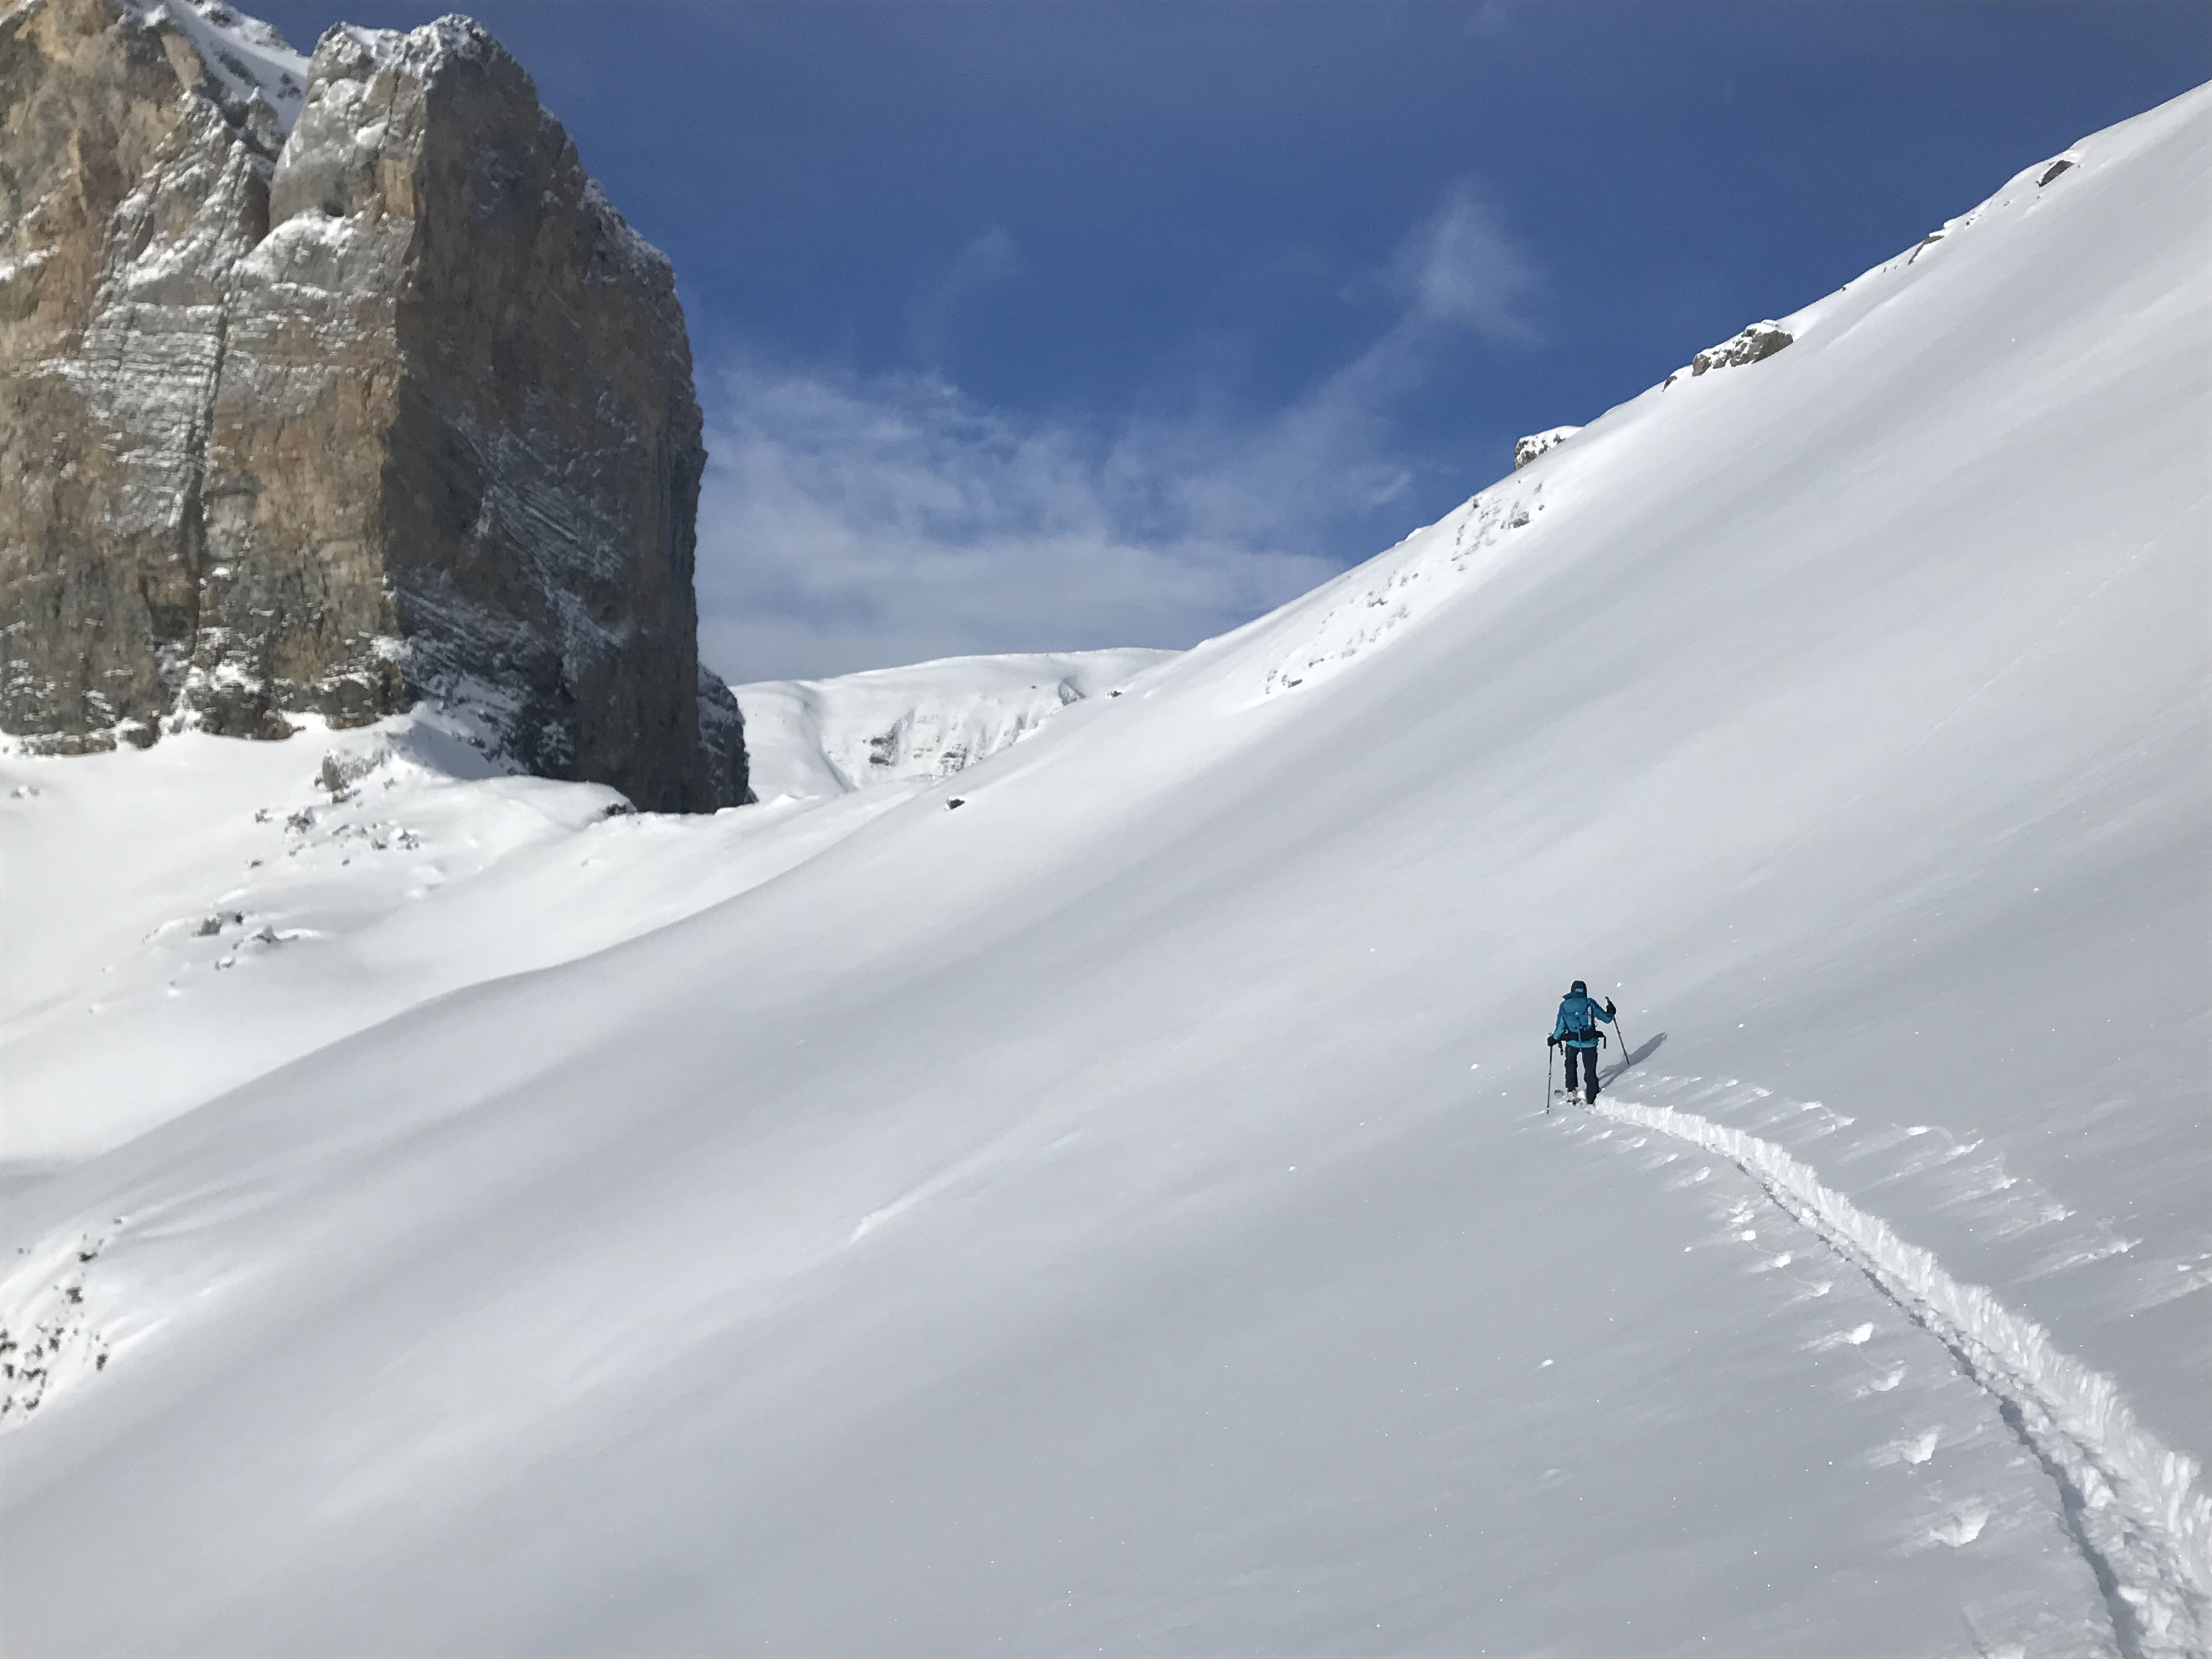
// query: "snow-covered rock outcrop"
[[1540, 443], [1751, 345], [392, 403]]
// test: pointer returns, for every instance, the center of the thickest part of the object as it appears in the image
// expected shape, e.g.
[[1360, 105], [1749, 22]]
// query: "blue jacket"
[[1576, 1014]]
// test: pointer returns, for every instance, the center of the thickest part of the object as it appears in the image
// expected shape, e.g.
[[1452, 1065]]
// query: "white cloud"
[[851, 522], [1463, 268], [852, 525]]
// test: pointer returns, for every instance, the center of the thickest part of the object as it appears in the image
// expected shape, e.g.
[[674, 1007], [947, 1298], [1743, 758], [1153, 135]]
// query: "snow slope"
[[235, 906], [206, 910], [1120, 1214]]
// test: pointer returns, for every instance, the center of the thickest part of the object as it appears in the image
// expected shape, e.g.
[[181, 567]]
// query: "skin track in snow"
[[2135, 1506]]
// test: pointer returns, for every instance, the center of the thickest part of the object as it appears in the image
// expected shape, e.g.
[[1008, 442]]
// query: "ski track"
[[2131, 1505]]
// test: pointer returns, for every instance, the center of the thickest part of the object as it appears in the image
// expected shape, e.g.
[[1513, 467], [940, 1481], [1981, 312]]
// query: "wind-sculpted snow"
[[2136, 1504]]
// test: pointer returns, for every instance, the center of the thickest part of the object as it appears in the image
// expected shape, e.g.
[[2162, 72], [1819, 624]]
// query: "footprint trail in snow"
[[2132, 1506]]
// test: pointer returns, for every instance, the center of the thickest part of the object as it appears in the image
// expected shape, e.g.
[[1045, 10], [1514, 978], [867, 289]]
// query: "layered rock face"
[[394, 405]]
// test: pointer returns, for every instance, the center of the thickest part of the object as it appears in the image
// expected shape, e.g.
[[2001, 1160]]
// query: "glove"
[[1608, 1006], [1551, 1043]]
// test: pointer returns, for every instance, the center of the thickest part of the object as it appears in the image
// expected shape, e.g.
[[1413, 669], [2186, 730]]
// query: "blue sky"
[[1055, 324]]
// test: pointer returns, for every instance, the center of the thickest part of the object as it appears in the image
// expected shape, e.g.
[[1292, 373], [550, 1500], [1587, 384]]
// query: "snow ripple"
[[2132, 1504]]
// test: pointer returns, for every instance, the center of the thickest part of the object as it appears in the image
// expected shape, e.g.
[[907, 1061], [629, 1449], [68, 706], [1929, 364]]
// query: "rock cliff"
[[327, 385]]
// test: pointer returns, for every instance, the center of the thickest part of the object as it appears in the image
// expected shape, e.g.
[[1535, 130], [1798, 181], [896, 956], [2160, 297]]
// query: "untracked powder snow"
[[448, 1213]]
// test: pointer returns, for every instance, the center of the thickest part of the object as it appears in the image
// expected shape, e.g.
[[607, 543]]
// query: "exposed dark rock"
[[722, 740], [1755, 344], [395, 406], [2052, 172]]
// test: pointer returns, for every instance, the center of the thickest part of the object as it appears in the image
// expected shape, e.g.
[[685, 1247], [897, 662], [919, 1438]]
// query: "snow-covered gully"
[[2132, 1505]]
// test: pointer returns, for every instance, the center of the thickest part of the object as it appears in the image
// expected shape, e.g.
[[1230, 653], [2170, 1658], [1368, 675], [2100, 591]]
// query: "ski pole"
[[1547, 1080], [1623, 1043]]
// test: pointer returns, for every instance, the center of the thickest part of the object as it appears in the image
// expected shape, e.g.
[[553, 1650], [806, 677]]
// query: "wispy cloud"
[[851, 522], [1463, 268], [984, 262], [855, 523]]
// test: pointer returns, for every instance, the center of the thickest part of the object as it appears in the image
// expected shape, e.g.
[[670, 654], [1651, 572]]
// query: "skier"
[[1576, 1032]]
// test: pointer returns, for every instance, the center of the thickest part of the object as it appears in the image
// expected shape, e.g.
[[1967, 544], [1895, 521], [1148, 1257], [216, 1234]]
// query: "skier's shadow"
[[1638, 1057]]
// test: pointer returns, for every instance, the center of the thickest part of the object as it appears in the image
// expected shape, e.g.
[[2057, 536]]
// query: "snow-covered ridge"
[[1445, 560], [419, 51], [808, 738], [246, 57]]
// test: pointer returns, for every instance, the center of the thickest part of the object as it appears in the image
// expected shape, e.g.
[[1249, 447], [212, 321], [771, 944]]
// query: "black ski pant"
[[1590, 1069]]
